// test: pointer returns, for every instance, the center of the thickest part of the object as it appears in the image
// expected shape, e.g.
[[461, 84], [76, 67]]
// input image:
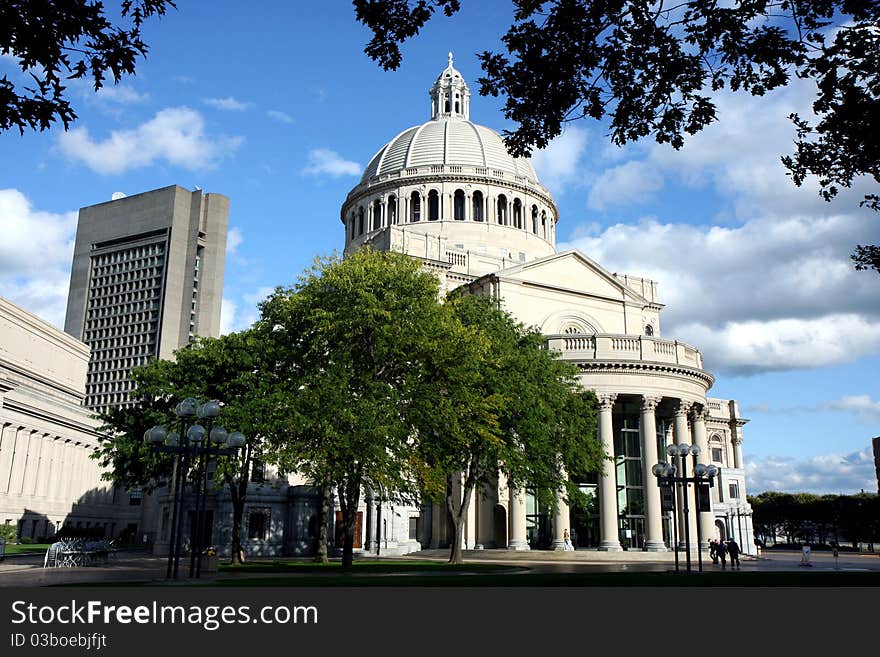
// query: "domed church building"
[[448, 193]]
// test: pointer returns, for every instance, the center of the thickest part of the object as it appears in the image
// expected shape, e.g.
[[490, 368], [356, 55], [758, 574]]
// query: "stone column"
[[706, 519], [19, 461], [7, 446], [370, 521], [516, 534], [610, 536], [653, 514], [737, 441], [561, 518], [682, 436]]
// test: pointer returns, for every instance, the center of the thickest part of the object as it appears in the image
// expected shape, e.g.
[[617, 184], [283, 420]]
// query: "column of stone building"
[[610, 536], [53, 486], [560, 518], [29, 486], [7, 442], [682, 436], [369, 521], [516, 534], [706, 519], [737, 441], [19, 461], [66, 471], [653, 514]]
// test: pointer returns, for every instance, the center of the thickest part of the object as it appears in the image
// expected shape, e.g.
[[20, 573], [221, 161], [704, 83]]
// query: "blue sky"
[[279, 109]]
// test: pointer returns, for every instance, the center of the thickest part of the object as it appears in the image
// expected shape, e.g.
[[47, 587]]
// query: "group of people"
[[720, 550]]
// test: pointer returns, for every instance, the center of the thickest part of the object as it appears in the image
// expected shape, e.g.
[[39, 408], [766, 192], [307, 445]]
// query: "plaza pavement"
[[134, 567]]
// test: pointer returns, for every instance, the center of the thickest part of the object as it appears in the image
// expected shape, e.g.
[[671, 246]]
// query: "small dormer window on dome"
[[450, 96]]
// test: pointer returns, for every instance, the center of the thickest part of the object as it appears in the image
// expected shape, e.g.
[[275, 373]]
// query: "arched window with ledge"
[[377, 214], [649, 330], [544, 224], [517, 213], [415, 207], [458, 205], [360, 221], [433, 205], [502, 210], [478, 206], [352, 223], [535, 219], [392, 210]]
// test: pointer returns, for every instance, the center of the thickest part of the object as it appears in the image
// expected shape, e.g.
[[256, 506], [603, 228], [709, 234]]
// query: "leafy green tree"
[[352, 340], [234, 370], [57, 41], [500, 402], [650, 69]]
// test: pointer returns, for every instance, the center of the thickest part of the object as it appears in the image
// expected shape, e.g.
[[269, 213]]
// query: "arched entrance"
[[500, 522], [720, 532]]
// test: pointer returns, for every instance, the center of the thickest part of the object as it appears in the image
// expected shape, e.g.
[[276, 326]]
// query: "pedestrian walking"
[[835, 552], [733, 551], [566, 541], [713, 550], [721, 551]]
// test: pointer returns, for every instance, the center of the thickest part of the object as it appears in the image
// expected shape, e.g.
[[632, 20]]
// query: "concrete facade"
[[147, 276]]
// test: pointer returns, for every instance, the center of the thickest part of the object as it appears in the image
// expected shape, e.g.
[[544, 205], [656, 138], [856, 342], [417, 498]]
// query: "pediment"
[[574, 272]]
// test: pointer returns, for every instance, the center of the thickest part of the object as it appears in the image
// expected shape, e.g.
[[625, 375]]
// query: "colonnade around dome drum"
[[450, 200], [650, 395]]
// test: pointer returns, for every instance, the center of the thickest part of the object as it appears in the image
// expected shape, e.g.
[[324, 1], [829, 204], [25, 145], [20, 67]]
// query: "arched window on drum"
[[502, 210], [517, 213], [377, 214], [478, 206], [458, 205], [415, 207], [392, 210], [433, 205]]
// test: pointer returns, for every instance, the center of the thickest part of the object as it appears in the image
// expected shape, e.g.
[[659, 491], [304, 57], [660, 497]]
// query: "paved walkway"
[[137, 567]]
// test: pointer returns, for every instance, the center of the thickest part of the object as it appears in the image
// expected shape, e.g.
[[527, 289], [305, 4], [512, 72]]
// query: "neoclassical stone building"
[[47, 478], [448, 193]]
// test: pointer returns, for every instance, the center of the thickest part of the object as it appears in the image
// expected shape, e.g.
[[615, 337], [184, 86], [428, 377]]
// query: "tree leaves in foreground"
[[57, 41], [650, 69]]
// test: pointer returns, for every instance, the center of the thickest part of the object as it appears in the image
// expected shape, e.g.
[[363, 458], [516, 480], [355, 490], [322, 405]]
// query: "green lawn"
[[33, 548]]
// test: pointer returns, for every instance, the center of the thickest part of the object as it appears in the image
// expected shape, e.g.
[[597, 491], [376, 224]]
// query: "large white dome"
[[447, 141]]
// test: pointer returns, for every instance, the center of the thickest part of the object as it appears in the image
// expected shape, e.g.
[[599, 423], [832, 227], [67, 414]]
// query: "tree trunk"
[[324, 513], [349, 496], [238, 491], [458, 510]]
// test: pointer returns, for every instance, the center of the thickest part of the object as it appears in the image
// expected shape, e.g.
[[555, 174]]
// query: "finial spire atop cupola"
[[450, 96]]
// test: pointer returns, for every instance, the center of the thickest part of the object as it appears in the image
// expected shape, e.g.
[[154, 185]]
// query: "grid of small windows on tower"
[[193, 313], [122, 319]]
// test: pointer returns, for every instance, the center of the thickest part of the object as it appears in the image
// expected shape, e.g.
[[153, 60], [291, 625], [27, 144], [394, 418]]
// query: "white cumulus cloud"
[[175, 135], [323, 161], [234, 238], [559, 165], [278, 115], [228, 104], [35, 273], [824, 474]]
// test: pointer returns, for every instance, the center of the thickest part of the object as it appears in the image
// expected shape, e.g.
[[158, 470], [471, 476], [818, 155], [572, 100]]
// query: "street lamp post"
[[189, 445], [702, 476]]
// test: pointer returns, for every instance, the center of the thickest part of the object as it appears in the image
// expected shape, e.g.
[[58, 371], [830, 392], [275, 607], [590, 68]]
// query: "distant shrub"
[[7, 533]]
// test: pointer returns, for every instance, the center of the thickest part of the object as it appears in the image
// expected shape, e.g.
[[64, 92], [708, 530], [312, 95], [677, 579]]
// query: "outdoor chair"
[[52, 555]]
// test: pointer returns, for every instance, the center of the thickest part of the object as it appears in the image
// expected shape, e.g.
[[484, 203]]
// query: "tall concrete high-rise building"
[[147, 276]]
